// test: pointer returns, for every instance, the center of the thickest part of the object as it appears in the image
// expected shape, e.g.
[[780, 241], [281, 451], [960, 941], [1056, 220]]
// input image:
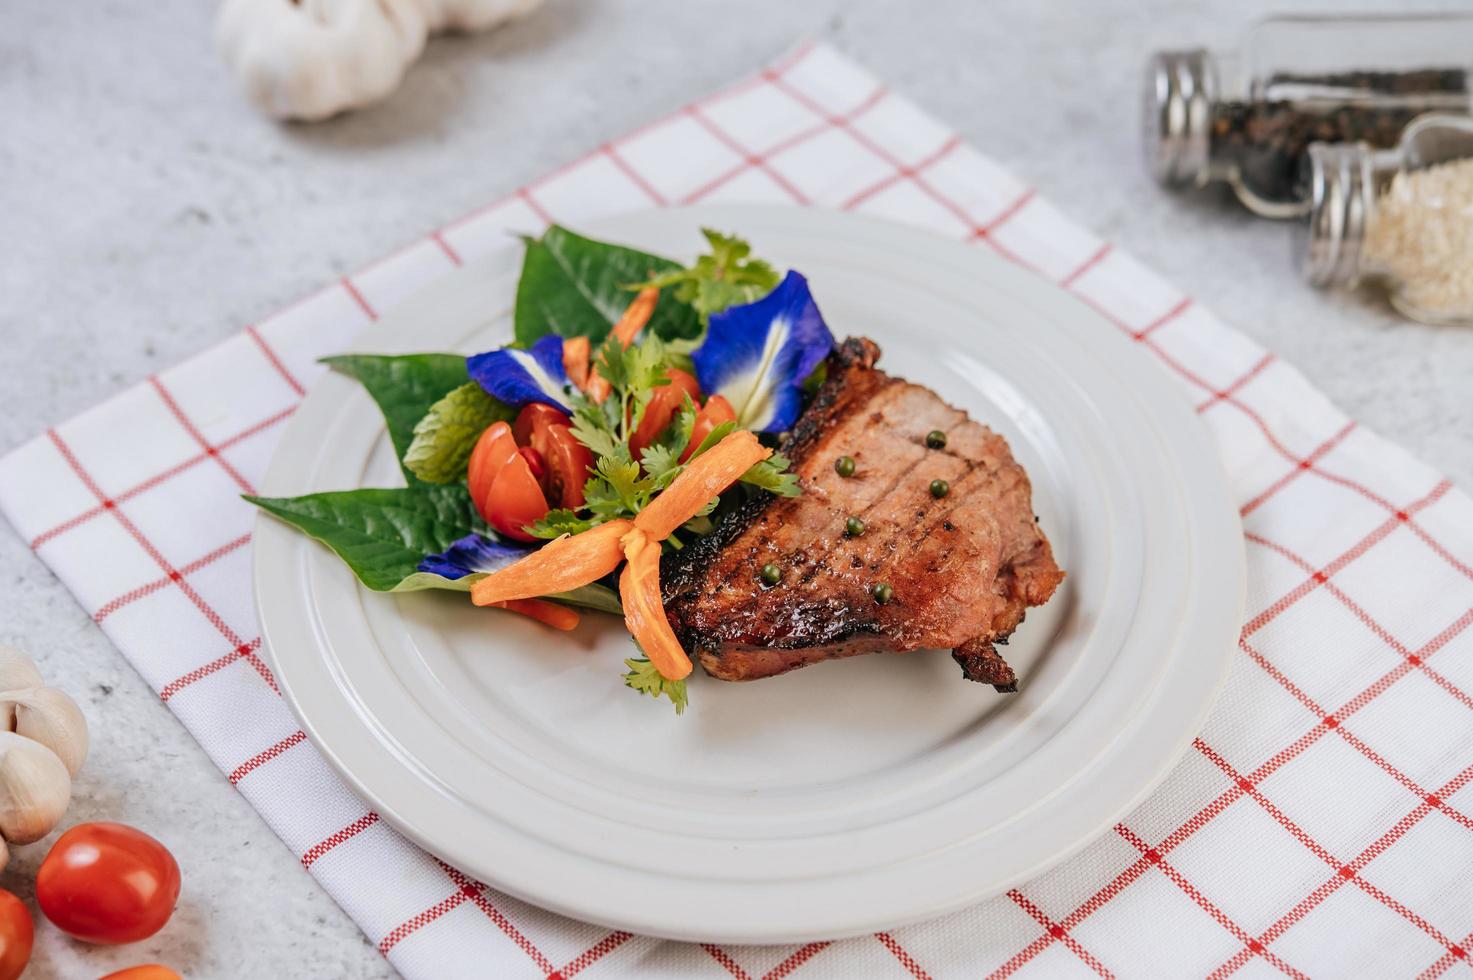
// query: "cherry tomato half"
[[491, 453], [108, 883], [148, 971], [568, 462], [662, 407], [717, 411], [515, 498], [17, 932], [533, 418]]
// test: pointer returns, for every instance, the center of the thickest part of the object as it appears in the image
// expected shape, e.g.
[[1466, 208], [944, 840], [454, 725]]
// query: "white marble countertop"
[[149, 212]]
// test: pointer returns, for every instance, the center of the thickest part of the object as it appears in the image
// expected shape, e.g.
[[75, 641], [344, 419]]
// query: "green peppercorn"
[[854, 527], [771, 574], [940, 488], [882, 593], [935, 439], [844, 466]]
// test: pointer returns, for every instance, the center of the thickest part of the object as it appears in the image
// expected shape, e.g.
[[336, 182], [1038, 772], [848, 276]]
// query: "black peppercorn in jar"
[[1248, 117]]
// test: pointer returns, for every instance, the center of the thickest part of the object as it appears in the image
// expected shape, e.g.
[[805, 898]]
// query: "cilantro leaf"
[[662, 463], [444, 438], [725, 277], [771, 475], [644, 678], [556, 523]]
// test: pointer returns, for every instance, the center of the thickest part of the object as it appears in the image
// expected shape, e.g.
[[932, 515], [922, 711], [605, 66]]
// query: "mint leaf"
[[383, 534], [574, 287], [723, 278], [445, 436], [404, 386], [644, 678]]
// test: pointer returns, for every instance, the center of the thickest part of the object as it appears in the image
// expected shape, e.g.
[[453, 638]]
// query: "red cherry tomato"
[[515, 499], [491, 453], [568, 462], [534, 463], [662, 407], [717, 411], [535, 416], [148, 971], [108, 883], [16, 935]]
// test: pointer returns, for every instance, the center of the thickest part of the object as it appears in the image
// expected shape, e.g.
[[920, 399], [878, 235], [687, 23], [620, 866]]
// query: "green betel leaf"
[[383, 534], [574, 287], [405, 386], [444, 438]]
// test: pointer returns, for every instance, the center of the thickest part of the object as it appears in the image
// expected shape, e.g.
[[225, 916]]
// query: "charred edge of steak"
[[983, 664], [680, 571]]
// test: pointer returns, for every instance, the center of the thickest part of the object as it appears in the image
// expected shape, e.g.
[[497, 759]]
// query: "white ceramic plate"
[[847, 797]]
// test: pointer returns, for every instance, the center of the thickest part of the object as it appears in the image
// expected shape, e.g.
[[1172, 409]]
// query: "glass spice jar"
[[1402, 217], [1249, 116]]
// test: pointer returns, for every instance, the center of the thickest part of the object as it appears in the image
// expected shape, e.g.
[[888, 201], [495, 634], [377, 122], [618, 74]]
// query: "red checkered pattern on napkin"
[[1321, 824]]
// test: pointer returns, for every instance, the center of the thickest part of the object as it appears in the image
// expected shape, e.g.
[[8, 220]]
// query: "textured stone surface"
[[149, 212]]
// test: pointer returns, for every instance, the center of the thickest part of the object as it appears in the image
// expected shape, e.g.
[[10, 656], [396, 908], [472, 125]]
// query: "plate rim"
[[270, 536]]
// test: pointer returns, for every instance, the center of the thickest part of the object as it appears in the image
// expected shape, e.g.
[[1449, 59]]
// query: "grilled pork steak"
[[963, 569]]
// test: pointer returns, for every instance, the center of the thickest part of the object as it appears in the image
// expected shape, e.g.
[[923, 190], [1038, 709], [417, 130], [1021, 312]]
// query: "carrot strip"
[[644, 607], [636, 315], [576, 353], [558, 566], [705, 477], [548, 613]]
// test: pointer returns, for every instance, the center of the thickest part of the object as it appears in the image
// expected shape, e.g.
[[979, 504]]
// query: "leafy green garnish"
[[577, 287], [724, 278], [771, 475], [383, 534], [644, 678], [444, 438], [556, 523], [404, 386]]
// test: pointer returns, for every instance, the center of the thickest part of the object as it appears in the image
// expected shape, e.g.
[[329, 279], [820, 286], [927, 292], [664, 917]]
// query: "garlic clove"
[[17, 670], [34, 789], [50, 717]]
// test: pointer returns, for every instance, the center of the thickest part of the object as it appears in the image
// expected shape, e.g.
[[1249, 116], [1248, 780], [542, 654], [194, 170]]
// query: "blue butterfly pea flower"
[[758, 355], [472, 554], [517, 377]]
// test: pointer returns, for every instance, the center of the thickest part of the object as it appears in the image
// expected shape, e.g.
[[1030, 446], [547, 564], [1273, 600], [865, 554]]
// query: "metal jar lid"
[[1341, 190], [1180, 88]]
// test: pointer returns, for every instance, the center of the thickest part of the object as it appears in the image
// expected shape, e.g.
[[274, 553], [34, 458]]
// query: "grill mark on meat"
[[822, 609]]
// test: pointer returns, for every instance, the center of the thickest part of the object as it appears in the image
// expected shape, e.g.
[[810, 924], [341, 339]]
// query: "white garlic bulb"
[[43, 742], [310, 59], [34, 789]]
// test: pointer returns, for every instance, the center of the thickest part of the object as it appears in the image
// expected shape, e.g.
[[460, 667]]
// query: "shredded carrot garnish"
[[571, 562], [559, 566], [548, 613], [644, 607], [576, 352], [636, 315], [701, 480]]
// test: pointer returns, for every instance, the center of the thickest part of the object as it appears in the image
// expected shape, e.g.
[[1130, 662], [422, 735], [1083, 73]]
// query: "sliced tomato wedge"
[[492, 451], [536, 417], [568, 462], [662, 407], [515, 499], [717, 411]]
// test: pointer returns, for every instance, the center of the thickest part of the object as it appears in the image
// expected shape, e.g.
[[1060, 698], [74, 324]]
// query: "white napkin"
[[1322, 822]]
